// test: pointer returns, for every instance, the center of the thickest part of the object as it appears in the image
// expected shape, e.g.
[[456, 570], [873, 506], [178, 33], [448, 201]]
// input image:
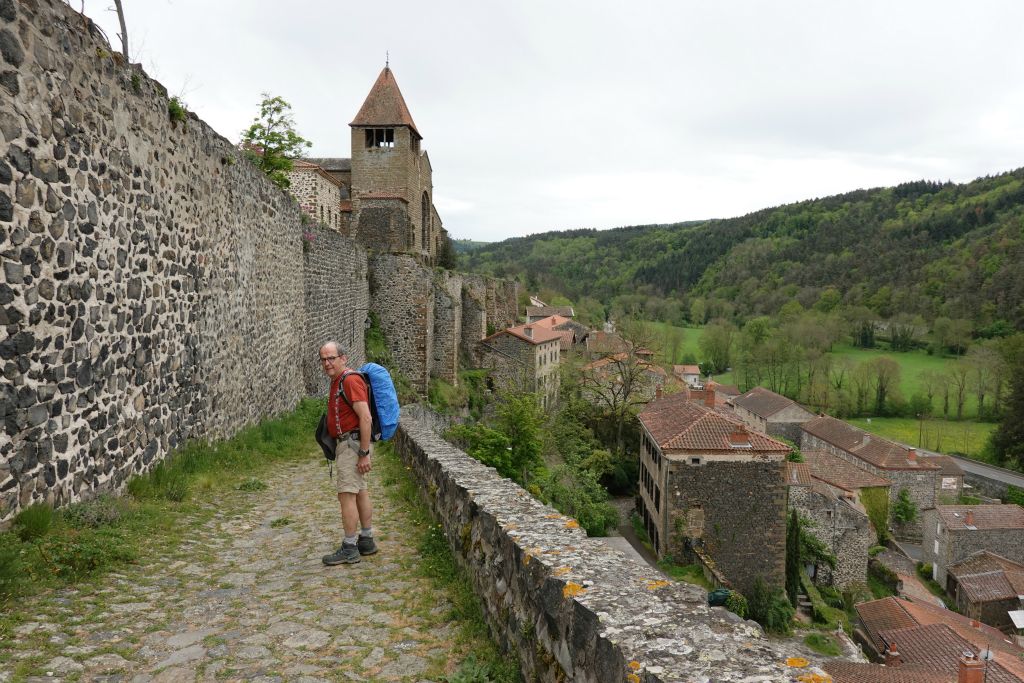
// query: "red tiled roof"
[[538, 335], [954, 517], [686, 369], [938, 647], [870, 448], [949, 466], [303, 166], [677, 424], [881, 615], [985, 576], [988, 587], [764, 402], [724, 389], [855, 672], [385, 106], [551, 320], [565, 311], [983, 561], [837, 472], [798, 474]]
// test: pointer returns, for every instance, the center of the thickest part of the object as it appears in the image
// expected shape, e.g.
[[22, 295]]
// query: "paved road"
[[247, 598], [997, 473]]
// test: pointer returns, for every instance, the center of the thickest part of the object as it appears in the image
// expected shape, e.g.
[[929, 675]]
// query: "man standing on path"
[[350, 424]]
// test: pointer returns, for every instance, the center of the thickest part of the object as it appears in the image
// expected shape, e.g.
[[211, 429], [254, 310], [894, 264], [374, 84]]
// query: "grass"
[[92, 538], [690, 573], [945, 436], [483, 661], [663, 336], [823, 644]]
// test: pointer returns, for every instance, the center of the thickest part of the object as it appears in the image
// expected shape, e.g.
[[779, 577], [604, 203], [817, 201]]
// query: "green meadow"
[[966, 437]]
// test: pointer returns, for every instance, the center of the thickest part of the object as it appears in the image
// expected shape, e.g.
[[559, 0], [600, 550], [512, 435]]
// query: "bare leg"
[[365, 509], [349, 513]]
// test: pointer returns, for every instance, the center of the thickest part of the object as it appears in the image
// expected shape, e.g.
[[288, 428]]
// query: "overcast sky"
[[557, 114]]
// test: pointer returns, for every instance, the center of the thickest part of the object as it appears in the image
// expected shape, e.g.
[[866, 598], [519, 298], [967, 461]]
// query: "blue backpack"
[[383, 399]]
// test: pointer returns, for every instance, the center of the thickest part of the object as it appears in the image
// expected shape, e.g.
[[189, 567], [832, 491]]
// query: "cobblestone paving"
[[247, 598]]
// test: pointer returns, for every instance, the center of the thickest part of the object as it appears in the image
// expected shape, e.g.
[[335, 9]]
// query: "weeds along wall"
[[153, 282], [569, 607]]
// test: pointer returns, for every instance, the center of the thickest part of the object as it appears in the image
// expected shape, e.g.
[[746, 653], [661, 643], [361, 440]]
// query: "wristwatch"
[[361, 453]]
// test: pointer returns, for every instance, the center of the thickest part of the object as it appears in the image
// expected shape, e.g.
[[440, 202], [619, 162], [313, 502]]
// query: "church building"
[[383, 195]]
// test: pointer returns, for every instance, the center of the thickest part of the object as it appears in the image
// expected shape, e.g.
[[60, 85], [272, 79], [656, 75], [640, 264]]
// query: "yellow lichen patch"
[[572, 524], [797, 662], [814, 678], [562, 571], [571, 590], [511, 526], [555, 516], [655, 585], [634, 665], [633, 678]]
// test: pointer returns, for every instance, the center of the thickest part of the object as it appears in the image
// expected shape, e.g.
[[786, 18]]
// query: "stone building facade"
[[835, 519], [986, 586], [703, 479], [954, 532], [899, 464], [155, 287], [526, 357], [765, 411], [318, 194]]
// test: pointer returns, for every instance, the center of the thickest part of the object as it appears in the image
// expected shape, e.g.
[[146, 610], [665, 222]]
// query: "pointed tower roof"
[[385, 106]]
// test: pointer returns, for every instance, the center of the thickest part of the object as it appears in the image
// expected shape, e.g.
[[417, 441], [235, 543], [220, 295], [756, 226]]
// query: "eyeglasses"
[[329, 359]]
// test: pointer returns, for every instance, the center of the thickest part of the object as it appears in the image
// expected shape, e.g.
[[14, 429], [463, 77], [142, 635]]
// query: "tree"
[[716, 344], [793, 558], [446, 256], [886, 379], [519, 417], [959, 380], [1007, 441], [271, 141], [983, 363], [904, 511]]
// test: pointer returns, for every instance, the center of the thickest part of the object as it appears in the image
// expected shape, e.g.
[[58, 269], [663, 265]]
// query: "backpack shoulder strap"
[[341, 389]]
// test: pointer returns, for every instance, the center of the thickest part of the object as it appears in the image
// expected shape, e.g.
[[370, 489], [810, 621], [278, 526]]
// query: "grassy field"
[[945, 436]]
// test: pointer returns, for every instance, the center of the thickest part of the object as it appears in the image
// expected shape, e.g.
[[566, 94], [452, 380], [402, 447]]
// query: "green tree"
[[519, 417], [271, 141], [793, 557], [1007, 441], [904, 511], [716, 344]]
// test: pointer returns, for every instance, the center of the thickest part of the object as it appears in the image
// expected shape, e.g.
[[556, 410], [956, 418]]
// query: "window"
[[380, 137], [694, 461]]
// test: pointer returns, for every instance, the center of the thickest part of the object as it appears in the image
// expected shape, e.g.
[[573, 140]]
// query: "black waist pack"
[[326, 441]]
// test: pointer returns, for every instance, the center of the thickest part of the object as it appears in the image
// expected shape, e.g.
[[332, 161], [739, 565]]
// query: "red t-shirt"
[[340, 418]]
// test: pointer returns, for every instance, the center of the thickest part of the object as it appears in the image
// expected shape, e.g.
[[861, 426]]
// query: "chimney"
[[866, 440], [739, 437], [657, 392], [912, 454], [528, 331], [972, 670], [709, 397], [970, 518], [892, 656]]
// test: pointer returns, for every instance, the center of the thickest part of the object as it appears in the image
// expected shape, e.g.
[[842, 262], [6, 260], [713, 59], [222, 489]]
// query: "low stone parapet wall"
[[570, 606]]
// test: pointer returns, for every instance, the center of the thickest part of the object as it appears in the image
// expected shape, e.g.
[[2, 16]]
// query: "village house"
[[899, 464], [952, 533], [834, 517], [703, 478], [690, 374], [987, 587], [618, 373], [572, 332], [535, 313], [525, 357], [927, 643], [765, 411]]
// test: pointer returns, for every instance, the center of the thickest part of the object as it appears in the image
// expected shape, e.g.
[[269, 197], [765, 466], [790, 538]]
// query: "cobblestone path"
[[247, 598]]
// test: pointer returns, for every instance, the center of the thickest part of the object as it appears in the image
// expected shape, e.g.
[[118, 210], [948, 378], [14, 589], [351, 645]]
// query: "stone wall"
[[336, 302], [844, 529], [383, 225], [569, 606], [474, 314], [152, 278], [402, 297], [954, 546], [502, 303], [447, 326], [731, 495], [318, 195]]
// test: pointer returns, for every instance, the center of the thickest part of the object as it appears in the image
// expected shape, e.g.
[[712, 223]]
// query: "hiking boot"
[[346, 554], [366, 545]]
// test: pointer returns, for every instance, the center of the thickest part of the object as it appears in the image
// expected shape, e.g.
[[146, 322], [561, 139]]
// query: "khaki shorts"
[[348, 479]]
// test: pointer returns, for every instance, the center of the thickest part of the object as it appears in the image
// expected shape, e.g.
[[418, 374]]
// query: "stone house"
[[613, 372], [704, 479], [986, 587], [899, 464], [385, 197], [319, 194], [952, 533], [690, 374], [572, 332], [765, 411], [527, 357], [535, 313], [950, 480], [837, 520]]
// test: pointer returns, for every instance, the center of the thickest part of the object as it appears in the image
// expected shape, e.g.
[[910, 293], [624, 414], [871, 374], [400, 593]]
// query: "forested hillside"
[[938, 250]]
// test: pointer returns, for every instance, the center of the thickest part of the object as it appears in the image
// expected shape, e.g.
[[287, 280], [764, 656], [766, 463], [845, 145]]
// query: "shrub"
[[1015, 495], [252, 485], [875, 550], [771, 608], [737, 604], [904, 511], [924, 570], [883, 574], [176, 109], [822, 612], [12, 569], [102, 511], [33, 522], [576, 492], [81, 552]]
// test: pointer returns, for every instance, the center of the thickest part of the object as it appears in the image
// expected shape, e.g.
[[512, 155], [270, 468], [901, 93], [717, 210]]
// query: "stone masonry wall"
[[845, 530], [152, 279], [447, 325], [502, 303], [474, 314], [337, 302], [402, 297], [318, 197], [567, 605], [731, 495]]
